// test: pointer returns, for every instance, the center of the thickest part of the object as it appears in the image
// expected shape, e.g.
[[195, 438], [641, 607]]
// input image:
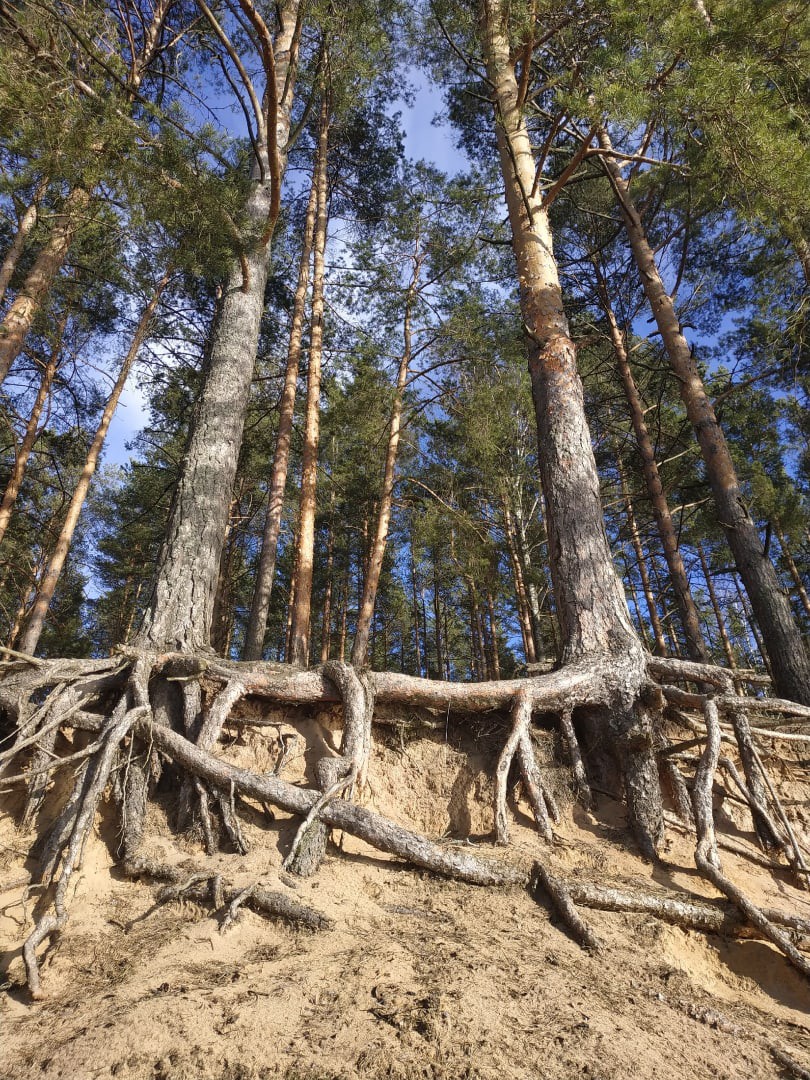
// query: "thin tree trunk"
[[493, 637], [25, 227], [690, 620], [31, 430], [635, 540], [415, 596], [344, 608], [789, 660], [36, 618], [755, 632], [792, 567], [535, 606], [326, 622], [260, 606], [181, 604], [377, 554], [29, 300], [594, 619], [437, 624], [299, 640], [222, 619], [731, 659], [524, 618]]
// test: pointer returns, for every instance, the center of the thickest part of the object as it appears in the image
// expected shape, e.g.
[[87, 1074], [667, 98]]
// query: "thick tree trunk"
[[260, 606], [594, 619], [789, 660], [25, 226], [31, 430], [47, 587], [690, 620], [302, 609], [380, 540], [182, 600], [29, 300]]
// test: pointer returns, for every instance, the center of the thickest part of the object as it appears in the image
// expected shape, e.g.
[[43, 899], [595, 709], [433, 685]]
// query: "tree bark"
[[302, 609], [31, 430], [182, 599], [25, 226], [260, 606], [690, 620], [789, 660], [47, 586], [380, 540], [29, 300], [594, 619]]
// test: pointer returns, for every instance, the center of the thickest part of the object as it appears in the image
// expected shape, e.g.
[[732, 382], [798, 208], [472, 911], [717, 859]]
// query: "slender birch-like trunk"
[[789, 660], [300, 630], [47, 586], [260, 606], [378, 544], [31, 430]]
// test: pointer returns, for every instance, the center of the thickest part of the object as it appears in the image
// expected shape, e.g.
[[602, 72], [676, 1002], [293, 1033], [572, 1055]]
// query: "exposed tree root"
[[203, 886], [148, 709], [339, 775], [560, 896]]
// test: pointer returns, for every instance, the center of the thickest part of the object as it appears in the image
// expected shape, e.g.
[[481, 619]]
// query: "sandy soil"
[[421, 977]]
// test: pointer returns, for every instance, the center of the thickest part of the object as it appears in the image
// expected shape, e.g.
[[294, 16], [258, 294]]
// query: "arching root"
[[519, 742], [337, 776]]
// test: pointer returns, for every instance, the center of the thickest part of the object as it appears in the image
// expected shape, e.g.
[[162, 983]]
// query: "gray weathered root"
[[148, 711], [205, 886]]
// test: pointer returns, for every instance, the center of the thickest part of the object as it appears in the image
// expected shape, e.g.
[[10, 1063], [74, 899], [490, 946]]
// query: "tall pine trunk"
[[32, 430], [260, 605], [181, 604], [302, 608], [789, 661], [380, 539], [690, 620], [29, 300], [47, 587], [594, 619], [25, 226]]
